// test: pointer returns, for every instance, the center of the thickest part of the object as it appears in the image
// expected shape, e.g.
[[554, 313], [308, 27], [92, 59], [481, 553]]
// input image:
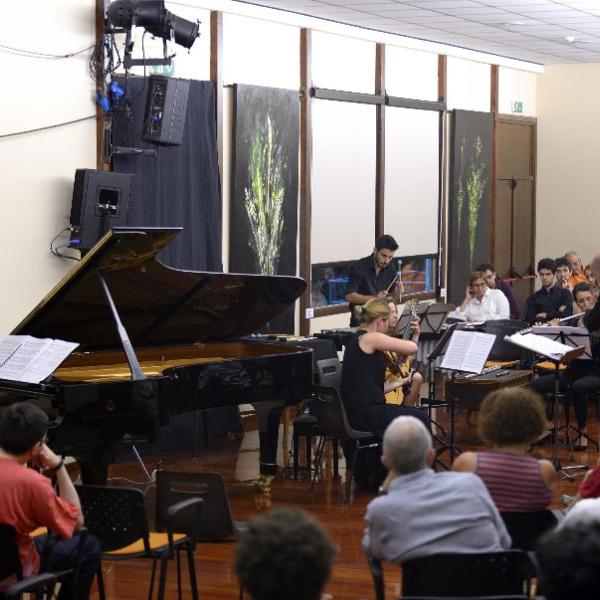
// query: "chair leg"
[[151, 590], [178, 559], [318, 458], [192, 570], [100, 579], [296, 449], [336, 458], [350, 474], [164, 561]]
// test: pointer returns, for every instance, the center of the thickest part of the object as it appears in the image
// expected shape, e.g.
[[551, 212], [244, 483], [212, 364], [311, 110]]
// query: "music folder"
[[468, 351]]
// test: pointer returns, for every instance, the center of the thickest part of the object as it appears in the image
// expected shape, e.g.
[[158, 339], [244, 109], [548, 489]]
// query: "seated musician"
[[374, 276], [495, 283], [577, 269], [27, 500], [563, 273], [482, 303], [582, 376], [398, 366], [511, 419], [551, 301], [423, 512]]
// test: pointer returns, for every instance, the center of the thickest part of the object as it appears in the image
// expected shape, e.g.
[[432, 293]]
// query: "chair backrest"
[[503, 350], [10, 562], [493, 573], [329, 372], [330, 412], [115, 515], [525, 528], [216, 522]]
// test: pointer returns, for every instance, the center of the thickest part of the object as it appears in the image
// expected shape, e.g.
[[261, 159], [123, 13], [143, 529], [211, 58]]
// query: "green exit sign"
[[516, 106]]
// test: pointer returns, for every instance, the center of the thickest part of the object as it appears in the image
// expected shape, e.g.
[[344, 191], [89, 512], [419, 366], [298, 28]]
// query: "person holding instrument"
[[398, 366], [374, 276]]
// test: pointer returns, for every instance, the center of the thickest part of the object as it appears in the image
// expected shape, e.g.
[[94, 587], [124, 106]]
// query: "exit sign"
[[516, 106]]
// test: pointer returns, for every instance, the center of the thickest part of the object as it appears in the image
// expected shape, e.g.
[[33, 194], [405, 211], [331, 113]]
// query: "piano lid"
[[157, 304]]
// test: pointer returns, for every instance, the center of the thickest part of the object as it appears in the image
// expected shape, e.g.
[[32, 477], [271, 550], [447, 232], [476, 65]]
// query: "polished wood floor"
[[237, 461]]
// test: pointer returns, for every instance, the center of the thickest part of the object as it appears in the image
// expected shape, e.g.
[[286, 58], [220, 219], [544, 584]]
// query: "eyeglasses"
[[479, 285]]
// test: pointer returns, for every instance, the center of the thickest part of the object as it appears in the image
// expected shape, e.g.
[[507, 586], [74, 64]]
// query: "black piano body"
[[154, 342]]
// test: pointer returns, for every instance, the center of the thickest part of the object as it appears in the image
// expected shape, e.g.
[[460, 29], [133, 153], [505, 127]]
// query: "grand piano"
[[155, 342]]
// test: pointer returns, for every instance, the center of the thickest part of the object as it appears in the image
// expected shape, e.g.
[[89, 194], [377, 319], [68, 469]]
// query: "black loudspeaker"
[[166, 107], [101, 200]]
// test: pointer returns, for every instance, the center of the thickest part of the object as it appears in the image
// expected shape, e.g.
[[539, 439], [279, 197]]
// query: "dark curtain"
[[180, 185], [469, 211]]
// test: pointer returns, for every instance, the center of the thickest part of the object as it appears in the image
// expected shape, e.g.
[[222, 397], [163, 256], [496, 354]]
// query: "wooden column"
[[380, 142], [101, 121], [494, 110], [444, 162], [305, 174], [216, 76]]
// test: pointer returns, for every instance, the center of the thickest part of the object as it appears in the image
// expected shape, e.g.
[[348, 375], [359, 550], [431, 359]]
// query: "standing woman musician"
[[363, 372]]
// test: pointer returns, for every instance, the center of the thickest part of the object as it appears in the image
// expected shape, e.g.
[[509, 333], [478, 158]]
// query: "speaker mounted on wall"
[[101, 200]]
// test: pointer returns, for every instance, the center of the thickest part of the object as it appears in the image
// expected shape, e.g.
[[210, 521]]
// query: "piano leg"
[[268, 415]]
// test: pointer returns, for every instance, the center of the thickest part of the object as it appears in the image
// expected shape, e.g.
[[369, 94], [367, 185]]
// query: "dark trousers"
[[64, 556], [579, 383]]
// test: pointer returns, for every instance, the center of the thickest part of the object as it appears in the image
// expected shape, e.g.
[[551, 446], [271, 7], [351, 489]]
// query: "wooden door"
[[513, 222]]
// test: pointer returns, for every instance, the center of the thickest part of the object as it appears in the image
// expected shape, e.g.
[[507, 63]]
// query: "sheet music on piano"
[[30, 360], [468, 351]]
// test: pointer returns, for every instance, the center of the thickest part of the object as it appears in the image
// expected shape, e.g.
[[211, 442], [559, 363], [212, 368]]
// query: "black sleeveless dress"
[[363, 378]]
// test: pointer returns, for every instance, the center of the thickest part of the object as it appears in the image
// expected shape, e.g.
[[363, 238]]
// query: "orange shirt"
[[575, 279], [27, 501]]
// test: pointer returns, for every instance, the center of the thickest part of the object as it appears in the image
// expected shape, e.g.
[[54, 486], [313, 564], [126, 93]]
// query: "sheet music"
[[540, 344], [574, 337], [31, 359], [468, 351]]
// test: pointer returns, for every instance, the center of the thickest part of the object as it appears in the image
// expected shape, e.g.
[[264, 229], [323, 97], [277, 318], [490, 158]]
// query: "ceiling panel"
[[531, 30]]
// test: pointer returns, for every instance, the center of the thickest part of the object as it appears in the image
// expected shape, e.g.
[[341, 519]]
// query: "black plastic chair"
[[41, 585], [329, 373], [525, 528], [503, 351], [117, 517], [216, 523], [333, 423], [459, 575]]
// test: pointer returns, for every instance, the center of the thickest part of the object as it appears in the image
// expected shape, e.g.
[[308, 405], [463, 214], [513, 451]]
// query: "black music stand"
[[563, 359], [432, 318]]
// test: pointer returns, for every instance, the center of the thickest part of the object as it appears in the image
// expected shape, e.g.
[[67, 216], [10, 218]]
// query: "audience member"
[[424, 512], [582, 376], [495, 283], [285, 554], [27, 500], [587, 271], [482, 303], [577, 269], [563, 273], [511, 419], [550, 301], [569, 561], [398, 366]]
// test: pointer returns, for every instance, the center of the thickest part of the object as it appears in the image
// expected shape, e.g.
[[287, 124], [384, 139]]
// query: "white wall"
[[520, 86], [568, 187], [38, 168]]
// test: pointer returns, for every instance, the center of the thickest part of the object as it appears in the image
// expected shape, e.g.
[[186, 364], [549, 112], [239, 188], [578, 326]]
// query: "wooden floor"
[[237, 461]]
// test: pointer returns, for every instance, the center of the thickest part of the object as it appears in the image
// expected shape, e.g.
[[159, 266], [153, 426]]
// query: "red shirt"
[[590, 487], [27, 501]]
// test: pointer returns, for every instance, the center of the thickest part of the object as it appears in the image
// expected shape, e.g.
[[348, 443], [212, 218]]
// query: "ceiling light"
[[570, 39]]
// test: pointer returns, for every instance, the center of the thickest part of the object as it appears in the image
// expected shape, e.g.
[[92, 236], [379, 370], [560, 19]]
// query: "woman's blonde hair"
[[373, 309], [475, 275]]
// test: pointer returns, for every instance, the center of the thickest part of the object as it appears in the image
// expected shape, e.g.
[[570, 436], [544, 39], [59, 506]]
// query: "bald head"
[[574, 262], [407, 446]]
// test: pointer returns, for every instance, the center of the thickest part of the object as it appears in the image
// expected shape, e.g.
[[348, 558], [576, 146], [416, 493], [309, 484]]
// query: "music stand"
[[432, 318], [562, 357]]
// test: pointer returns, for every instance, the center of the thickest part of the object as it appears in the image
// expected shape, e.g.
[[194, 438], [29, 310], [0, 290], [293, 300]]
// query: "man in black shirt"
[[374, 276], [551, 301]]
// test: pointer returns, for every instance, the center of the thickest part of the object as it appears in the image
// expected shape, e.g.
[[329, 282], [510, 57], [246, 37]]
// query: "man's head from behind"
[[22, 426], [407, 446], [569, 561], [284, 554]]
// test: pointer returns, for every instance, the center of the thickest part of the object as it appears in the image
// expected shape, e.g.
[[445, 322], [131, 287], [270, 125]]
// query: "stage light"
[[155, 19]]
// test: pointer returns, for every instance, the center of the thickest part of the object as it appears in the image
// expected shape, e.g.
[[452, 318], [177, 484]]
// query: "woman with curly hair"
[[511, 419]]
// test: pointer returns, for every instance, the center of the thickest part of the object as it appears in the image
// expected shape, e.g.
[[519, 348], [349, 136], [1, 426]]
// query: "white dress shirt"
[[493, 306]]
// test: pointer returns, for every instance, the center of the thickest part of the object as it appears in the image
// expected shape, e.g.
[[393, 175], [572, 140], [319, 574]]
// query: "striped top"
[[514, 481]]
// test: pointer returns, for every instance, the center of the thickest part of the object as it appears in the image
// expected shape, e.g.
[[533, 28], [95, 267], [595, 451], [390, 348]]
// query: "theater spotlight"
[[154, 18]]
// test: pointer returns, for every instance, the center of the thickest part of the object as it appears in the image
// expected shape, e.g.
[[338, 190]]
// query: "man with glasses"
[[577, 269], [482, 303], [28, 501]]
